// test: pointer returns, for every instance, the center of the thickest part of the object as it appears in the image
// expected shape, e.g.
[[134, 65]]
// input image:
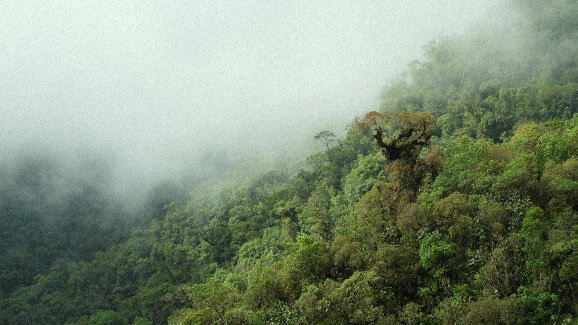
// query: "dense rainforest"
[[456, 202]]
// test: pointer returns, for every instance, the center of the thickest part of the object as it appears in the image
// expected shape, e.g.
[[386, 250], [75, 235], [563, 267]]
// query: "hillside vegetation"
[[456, 202]]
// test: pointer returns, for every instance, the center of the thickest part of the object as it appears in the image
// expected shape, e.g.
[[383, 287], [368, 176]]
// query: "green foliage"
[[435, 253], [475, 222], [108, 317], [354, 301], [537, 307], [492, 310], [315, 218], [368, 170]]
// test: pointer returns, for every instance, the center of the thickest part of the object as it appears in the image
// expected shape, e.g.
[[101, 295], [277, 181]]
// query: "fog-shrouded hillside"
[[287, 163], [108, 108]]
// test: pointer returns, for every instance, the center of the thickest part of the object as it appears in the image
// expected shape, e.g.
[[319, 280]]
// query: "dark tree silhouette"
[[325, 137]]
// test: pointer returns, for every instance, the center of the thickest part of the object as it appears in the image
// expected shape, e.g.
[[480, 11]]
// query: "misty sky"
[[155, 82]]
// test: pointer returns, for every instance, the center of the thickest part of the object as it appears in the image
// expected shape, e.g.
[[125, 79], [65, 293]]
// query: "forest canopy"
[[455, 203]]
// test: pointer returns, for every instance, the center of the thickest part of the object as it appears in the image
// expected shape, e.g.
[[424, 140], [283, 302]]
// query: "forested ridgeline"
[[456, 202]]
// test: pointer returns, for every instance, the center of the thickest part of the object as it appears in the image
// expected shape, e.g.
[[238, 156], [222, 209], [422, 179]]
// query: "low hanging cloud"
[[154, 85]]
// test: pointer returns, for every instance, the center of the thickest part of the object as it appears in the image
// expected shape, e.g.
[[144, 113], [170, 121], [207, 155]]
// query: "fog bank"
[[153, 86]]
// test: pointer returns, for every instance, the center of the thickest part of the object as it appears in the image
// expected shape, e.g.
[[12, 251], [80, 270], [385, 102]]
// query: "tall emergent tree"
[[410, 134]]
